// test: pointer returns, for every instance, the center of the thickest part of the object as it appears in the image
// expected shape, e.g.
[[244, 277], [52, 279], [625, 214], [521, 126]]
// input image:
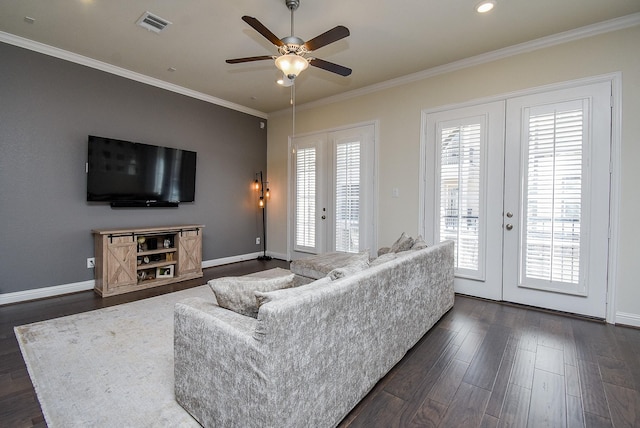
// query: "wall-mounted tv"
[[126, 173]]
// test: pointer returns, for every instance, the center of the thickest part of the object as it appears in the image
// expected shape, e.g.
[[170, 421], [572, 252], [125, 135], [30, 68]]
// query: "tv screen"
[[141, 174]]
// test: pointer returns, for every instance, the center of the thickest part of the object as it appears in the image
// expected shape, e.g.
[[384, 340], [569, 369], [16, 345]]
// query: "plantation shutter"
[[305, 198], [553, 201], [347, 197], [461, 194]]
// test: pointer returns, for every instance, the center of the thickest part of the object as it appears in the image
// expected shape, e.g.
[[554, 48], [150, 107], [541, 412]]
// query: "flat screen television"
[[126, 173]]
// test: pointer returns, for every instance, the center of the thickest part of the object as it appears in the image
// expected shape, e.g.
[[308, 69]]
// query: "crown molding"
[[544, 42], [541, 43], [42, 48]]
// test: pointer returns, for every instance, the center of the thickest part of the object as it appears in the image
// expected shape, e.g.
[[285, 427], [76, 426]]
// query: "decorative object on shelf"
[[164, 272], [141, 241], [262, 187], [167, 243]]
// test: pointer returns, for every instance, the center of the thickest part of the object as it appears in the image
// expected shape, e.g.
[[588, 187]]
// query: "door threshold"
[[536, 308]]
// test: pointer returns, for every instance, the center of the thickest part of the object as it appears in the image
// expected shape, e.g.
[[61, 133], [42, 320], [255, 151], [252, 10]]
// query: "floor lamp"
[[262, 187]]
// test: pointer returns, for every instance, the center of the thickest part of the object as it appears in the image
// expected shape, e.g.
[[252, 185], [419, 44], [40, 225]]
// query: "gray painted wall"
[[48, 107]]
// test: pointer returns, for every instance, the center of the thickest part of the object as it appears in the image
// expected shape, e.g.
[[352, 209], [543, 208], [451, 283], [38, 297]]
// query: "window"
[[348, 197], [305, 231], [553, 195], [460, 192]]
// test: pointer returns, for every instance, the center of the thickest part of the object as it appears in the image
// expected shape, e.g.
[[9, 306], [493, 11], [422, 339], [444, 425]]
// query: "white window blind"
[[305, 197], [460, 192], [553, 195], [347, 197]]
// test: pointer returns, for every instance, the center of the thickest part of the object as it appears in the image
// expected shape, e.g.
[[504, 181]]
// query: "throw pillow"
[[383, 250], [237, 293], [419, 243], [403, 243]]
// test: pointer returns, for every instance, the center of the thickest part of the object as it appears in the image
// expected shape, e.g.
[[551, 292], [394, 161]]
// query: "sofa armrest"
[[217, 363]]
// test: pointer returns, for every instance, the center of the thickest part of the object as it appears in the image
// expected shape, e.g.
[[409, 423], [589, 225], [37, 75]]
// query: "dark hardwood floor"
[[485, 364], [488, 364]]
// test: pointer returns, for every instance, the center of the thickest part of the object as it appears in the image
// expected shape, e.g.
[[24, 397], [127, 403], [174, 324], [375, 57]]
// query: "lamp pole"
[[263, 206]]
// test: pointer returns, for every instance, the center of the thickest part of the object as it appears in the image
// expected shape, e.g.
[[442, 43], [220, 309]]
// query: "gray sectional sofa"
[[315, 350]]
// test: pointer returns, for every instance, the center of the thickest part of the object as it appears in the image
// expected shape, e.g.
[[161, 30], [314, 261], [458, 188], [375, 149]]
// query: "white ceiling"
[[389, 38]]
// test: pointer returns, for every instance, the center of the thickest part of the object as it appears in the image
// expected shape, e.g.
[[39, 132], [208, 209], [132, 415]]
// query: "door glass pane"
[[305, 220], [460, 192], [553, 197], [347, 190]]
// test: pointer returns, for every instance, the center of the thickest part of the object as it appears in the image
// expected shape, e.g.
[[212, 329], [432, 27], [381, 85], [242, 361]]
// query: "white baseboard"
[[232, 259], [58, 290], [278, 256], [41, 293], [628, 319]]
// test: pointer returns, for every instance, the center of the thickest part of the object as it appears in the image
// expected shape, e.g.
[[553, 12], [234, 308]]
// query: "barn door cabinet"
[[134, 259]]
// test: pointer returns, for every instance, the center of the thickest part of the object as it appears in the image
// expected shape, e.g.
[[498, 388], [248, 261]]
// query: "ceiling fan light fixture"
[[291, 65], [485, 6]]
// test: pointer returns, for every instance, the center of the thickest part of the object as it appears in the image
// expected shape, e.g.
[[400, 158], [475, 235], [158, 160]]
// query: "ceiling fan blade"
[[266, 33], [333, 35], [329, 66], [248, 59]]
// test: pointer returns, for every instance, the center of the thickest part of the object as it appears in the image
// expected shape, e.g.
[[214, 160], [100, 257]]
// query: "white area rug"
[[111, 367]]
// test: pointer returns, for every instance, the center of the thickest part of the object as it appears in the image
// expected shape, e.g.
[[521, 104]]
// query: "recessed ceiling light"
[[485, 6]]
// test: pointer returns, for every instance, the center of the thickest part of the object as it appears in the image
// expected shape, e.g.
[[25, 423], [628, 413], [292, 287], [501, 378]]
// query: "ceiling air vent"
[[152, 22]]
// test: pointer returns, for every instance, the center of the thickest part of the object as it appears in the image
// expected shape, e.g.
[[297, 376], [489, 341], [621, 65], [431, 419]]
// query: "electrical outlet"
[[91, 262], [258, 241]]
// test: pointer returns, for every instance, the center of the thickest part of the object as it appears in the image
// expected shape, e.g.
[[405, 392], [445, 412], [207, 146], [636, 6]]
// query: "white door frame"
[[615, 180]]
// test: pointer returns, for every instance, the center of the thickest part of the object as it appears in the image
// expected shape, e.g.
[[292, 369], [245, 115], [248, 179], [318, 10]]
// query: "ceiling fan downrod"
[[292, 5], [292, 44]]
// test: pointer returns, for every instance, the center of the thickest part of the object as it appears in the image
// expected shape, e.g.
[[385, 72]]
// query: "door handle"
[[323, 217], [509, 226], [509, 214]]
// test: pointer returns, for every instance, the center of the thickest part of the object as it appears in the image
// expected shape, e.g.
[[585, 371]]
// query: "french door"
[[466, 164], [528, 208], [557, 159], [332, 199]]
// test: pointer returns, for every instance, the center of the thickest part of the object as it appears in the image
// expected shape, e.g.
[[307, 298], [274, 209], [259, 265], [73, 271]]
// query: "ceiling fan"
[[293, 50]]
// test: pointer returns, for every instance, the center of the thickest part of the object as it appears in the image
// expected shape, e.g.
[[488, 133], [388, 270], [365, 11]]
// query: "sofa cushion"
[[403, 243], [237, 293], [320, 265], [419, 243], [264, 297], [383, 258]]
